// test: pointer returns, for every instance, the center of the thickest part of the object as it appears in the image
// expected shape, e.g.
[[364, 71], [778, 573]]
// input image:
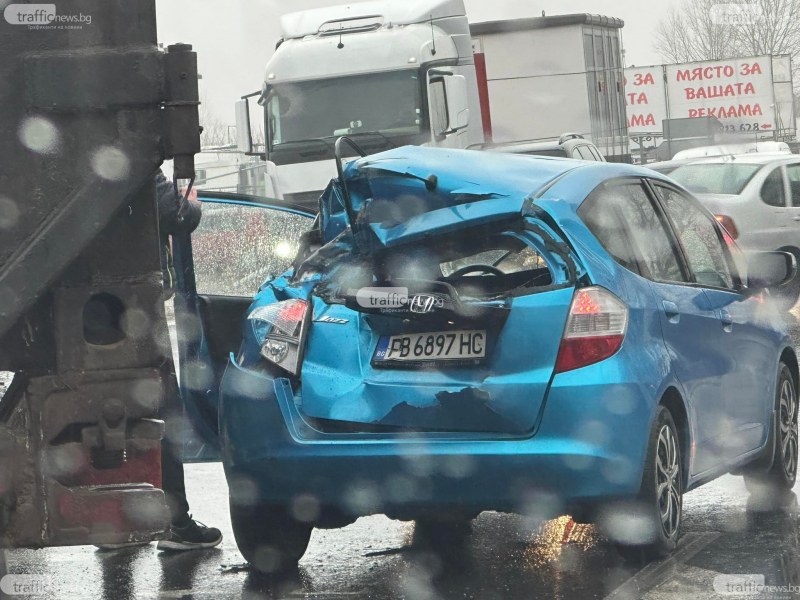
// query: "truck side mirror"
[[449, 103], [457, 102], [244, 137]]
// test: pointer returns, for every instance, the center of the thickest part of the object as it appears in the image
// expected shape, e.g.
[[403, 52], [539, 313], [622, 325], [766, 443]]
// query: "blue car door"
[[747, 353], [688, 324], [241, 242]]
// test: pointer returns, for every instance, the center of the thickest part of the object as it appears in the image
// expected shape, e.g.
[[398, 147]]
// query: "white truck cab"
[[383, 73]]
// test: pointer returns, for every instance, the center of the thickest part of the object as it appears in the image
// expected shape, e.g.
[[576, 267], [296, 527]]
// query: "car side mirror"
[[769, 269]]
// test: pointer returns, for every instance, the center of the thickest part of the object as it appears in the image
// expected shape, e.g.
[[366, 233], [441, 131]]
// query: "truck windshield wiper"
[[318, 140], [389, 142]]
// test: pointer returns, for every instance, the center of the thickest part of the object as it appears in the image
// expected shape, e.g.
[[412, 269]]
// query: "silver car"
[[755, 196], [569, 145]]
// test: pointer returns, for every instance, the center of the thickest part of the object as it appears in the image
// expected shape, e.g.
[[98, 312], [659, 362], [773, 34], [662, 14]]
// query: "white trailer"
[[384, 73], [548, 75]]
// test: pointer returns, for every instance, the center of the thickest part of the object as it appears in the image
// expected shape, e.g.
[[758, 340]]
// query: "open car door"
[[241, 241]]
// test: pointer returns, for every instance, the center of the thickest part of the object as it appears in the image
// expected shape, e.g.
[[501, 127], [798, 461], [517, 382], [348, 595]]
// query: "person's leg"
[[172, 480], [185, 533]]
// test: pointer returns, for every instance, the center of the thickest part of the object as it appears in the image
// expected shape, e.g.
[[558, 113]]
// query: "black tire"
[[660, 499], [782, 474], [268, 537]]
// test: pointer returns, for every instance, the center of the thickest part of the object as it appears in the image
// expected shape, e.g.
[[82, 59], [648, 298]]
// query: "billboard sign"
[[737, 91], [645, 99]]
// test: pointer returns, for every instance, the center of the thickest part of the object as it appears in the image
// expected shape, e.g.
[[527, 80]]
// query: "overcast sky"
[[235, 38]]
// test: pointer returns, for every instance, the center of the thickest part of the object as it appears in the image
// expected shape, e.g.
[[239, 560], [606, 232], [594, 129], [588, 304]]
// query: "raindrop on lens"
[[305, 508], [110, 163], [629, 524], [39, 135]]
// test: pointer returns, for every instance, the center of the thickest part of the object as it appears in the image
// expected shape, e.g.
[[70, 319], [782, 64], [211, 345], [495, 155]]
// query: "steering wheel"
[[477, 269]]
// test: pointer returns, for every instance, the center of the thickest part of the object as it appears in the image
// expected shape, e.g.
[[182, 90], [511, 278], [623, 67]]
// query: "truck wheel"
[[661, 494], [268, 537], [782, 475]]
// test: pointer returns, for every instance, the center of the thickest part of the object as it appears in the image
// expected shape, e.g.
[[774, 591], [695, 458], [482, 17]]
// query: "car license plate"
[[432, 346]]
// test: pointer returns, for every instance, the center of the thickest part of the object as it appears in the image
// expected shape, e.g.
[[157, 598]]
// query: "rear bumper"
[[587, 449]]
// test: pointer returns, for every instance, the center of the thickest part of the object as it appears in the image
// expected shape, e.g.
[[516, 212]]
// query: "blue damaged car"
[[458, 331]]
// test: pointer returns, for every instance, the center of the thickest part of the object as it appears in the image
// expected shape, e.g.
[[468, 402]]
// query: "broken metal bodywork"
[[509, 431], [89, 115], [410, 205]]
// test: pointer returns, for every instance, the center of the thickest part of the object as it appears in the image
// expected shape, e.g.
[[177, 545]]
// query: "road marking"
[[658, 572]]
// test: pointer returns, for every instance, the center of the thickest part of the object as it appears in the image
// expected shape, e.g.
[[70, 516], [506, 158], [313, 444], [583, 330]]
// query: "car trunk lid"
[[423, 336]]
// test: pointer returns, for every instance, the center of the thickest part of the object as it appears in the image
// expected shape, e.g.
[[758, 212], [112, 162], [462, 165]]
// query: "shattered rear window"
[[507, 260], [475, 265]]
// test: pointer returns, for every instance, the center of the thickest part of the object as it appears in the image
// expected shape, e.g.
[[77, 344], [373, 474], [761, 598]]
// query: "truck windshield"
[[389, 104]]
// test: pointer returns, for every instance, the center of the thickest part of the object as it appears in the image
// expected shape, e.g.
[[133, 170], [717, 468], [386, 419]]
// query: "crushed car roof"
[[461, 175]]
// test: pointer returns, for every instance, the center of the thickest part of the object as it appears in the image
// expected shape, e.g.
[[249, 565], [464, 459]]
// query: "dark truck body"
[[88, 116]]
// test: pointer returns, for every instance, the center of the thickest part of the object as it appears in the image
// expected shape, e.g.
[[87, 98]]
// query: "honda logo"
[[422, 303]]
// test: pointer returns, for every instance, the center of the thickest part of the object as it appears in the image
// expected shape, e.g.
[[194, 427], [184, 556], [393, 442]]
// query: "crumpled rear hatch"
[[439, 319]]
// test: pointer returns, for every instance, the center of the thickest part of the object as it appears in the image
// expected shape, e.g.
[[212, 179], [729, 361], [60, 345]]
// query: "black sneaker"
[[192, 536]]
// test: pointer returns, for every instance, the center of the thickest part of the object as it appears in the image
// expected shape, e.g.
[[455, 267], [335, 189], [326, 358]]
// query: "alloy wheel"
[[788, 428], [668, 481]]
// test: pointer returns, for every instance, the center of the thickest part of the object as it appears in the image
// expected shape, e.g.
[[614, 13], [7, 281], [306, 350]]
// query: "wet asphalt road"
[[724, 532]]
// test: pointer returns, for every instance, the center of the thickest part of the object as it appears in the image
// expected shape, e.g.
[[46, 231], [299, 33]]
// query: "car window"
[[596, 153], [585, 152], [556, 152], [793, 173], [714, 178], [237, 246], [700, 238], [772, 190], [624, 221]]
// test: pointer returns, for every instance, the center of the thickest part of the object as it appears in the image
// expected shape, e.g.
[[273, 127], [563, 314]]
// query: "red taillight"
[[595, 329], [293, 311], [280, 328], [728, 224]]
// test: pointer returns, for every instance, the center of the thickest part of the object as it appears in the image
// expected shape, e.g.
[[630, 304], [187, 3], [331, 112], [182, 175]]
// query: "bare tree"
[[215, 131], [696, 31], [690, 32], [775, 29]]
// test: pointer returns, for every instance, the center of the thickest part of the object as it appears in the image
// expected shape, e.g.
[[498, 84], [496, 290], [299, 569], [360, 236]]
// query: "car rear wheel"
[[782, 474], [268, 537], [660, 499]]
